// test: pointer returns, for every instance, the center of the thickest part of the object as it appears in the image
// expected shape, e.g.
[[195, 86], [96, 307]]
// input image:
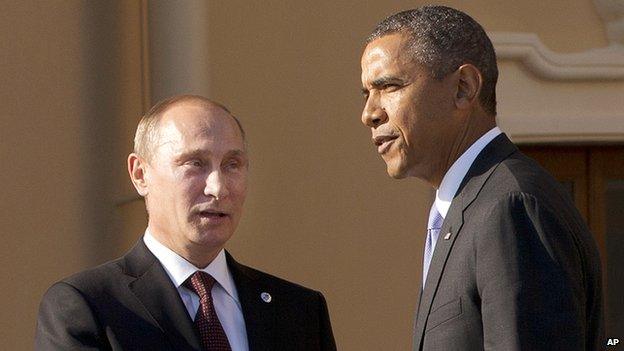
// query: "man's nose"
[[373, 114], [216, 185]]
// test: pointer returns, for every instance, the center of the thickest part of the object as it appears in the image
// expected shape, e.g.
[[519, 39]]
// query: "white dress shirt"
[[454, 176], [224, 294]]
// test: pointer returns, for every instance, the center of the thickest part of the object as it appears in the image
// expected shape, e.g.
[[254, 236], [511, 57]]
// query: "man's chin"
[[396, 172], [397, 176], [212, 236]]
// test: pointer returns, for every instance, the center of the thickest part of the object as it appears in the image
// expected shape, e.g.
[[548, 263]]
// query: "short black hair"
[[442, 39]]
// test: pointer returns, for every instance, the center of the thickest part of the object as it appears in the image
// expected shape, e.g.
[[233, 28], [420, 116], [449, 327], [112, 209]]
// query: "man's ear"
[[136, 169], [469, 84]]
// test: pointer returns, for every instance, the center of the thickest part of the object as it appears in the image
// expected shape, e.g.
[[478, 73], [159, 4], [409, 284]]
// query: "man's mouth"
[[212, 214], [383, 142]]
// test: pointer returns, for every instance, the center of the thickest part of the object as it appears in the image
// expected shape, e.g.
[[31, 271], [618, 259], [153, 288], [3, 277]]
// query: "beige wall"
[[321, 210], [70, 83], [41, 237]]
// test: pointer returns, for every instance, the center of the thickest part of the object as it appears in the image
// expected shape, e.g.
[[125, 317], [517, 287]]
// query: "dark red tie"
[[211, 333]]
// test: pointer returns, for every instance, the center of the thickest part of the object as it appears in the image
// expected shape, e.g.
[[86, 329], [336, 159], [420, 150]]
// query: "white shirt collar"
[[180, 269], [454, 176]]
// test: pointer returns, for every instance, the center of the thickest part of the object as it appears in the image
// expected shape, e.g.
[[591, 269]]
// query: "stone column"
[[178, 48]]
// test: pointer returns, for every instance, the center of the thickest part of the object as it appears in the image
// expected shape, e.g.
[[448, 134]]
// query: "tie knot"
[[200, 283], [435, 219]]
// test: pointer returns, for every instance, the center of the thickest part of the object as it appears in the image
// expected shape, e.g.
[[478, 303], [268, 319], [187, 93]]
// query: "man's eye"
[[390, 87], [195, 163], [232, 165]]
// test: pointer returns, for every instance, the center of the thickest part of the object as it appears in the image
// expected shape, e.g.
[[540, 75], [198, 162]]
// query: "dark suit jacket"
[[519, 270], [131, 304]]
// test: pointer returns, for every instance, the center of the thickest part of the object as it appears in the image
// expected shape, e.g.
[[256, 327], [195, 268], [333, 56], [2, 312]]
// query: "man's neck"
[[202, 260], [198, 255], [474, 129]]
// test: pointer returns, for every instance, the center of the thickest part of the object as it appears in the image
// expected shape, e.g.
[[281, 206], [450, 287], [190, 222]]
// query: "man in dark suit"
[[509, 263], [177, 289]]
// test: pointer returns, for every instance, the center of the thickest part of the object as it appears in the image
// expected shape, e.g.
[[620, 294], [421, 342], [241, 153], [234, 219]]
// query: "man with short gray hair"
[[509, 264], [178, 289]]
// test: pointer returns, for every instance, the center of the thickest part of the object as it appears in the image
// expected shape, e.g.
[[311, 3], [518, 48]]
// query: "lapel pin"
[[447, 236], [266, 297]]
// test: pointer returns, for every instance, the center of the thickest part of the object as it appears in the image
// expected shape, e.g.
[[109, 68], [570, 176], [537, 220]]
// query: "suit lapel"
[[157, 294], [452, 224], [260, 316], [483, 166]]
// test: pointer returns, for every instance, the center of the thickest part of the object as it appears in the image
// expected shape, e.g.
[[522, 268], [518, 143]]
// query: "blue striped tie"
[[433, 231]]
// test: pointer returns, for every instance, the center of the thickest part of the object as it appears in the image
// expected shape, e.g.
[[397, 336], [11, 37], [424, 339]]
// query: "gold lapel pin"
[[447, 236]]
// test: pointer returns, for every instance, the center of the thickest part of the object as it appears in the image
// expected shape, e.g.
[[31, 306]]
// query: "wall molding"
[[597, 64], [605, 63], [612, 14], [568, 138]]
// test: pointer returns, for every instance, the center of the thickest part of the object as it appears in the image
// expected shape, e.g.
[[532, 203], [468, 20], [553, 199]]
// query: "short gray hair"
[[442, 39], [147, 130]]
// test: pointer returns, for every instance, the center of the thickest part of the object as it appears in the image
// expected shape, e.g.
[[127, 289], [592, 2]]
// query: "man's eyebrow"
[[199, 153], [237, 153], [381, 81], [190, 154]]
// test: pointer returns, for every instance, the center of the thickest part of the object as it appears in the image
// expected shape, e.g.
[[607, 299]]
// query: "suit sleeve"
[[65, 321], [326, 334], [529, 278]]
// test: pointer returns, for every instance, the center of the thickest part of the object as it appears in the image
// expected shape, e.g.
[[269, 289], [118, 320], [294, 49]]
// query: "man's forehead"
[[197, 115], [385, 53], [394, 43], [196, 121]]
